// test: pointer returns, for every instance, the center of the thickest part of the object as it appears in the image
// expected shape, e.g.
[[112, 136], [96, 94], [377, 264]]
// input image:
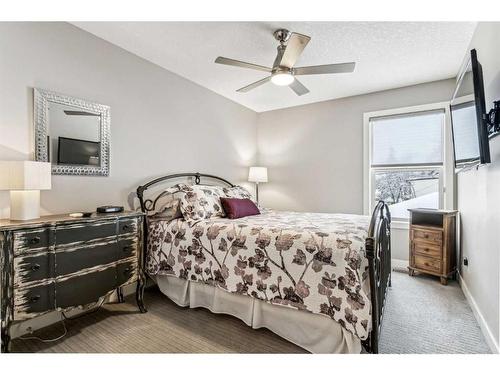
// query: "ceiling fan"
[[283, 72]]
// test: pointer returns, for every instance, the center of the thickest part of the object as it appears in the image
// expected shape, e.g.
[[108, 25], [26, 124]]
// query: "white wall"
[[160, 123], [478, 198], [315, 152]]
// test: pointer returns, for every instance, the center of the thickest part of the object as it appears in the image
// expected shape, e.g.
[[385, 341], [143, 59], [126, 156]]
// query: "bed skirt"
[[315, 333]]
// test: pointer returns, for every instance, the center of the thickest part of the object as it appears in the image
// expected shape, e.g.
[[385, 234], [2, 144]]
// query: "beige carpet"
[[165, 328], [422, 316]]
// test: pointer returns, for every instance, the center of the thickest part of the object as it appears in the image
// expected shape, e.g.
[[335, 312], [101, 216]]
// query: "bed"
[[317, 280]]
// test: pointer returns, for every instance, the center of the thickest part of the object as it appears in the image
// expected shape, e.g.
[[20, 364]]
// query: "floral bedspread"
[[307, 261]]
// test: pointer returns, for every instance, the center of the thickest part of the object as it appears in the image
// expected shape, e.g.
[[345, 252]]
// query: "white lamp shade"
[[25, 175], [257, 174]]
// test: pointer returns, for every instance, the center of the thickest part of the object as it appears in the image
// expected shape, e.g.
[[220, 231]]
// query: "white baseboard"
[[399, 265], [490, 339]]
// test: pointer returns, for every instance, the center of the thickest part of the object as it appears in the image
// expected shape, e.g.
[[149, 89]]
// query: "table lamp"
[[25, 179], [257, 174]]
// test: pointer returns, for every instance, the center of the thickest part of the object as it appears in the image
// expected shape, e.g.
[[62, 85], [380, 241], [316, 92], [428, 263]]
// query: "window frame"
[[447, 177]]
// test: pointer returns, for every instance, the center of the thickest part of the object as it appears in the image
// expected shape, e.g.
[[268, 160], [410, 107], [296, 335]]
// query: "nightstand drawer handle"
[[126, 270], [126, 249], [34, 299], [126, 227], [35, 267], [34, 240]]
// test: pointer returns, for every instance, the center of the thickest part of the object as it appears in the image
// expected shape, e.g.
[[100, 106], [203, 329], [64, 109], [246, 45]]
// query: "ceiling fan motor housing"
[[282, 35]]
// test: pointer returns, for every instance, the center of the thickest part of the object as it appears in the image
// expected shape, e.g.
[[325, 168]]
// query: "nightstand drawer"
[[427, 235], [31, 240], [427, 249], [427, 264]]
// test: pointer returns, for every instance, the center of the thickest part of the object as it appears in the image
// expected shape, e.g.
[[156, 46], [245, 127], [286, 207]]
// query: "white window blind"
[[410, 139]]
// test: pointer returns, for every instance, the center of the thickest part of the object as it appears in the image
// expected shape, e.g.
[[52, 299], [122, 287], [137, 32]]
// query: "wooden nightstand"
[[433, 242], [57, 263]]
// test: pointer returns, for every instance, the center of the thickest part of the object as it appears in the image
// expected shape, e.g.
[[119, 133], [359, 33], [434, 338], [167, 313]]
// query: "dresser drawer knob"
[[34, 240], [34, 299], [35, 267], [126, 227], [126, 270], [126, 249]]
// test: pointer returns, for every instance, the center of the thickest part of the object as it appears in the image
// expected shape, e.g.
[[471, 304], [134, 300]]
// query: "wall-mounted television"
[[468, 110], [78, 152]]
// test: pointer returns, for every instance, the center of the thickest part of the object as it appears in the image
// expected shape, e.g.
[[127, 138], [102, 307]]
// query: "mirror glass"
[[74, 136]]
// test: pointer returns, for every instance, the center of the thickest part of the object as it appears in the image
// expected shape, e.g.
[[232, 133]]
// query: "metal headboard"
[[149, 205]]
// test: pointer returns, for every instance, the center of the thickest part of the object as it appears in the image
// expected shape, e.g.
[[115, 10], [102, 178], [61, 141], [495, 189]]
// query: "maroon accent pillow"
[[236, 208]]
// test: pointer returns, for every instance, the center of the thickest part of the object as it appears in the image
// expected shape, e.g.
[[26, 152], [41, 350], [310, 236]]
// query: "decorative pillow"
[[168, 211], [236, 208], [238, 192], [200, 202], [167, 206]]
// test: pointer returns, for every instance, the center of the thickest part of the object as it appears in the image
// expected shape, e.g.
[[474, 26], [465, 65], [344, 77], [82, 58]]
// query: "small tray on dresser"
[[433, 243]]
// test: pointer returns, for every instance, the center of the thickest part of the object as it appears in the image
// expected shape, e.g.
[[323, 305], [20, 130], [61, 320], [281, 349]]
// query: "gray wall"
[[479, 202], [315, 152], [160, 123]]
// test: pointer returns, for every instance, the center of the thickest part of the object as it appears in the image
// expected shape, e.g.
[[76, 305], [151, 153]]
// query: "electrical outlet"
[[466, 262]]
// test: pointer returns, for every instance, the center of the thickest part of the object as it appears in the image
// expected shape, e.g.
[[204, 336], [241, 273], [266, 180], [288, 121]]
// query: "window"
[[406, 160]]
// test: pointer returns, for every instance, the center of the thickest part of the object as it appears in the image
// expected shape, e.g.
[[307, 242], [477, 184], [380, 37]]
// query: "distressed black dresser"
[[59, 263]]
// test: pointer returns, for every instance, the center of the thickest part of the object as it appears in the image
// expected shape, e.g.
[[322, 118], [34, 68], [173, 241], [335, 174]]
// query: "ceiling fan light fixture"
[[282, 79]]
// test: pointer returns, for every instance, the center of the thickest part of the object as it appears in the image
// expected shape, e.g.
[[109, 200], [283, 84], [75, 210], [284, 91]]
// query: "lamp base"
[[24, 204]]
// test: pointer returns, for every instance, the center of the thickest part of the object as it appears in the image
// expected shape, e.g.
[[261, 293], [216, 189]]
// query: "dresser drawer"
[[127, 247], [32, 268], [126, 226], [70, 260], [126, 272], [427, 249], [427, 235], [30, 302], [32, 240], [76, 234], [86, 288], [427, 264]]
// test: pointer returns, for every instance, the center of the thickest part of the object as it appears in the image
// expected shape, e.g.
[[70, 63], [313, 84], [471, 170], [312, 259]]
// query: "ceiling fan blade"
[[241, 64], [325, 69], [298, 87], [254, 85], [80, 113], [293, 50]]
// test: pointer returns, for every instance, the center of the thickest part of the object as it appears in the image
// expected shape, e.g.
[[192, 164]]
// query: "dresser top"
[[7, 224]]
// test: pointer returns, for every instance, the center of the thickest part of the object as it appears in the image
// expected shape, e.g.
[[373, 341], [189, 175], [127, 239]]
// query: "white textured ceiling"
[[387, 54]]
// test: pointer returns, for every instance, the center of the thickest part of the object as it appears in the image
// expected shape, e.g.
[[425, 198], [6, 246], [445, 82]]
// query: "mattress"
[[309, 262]]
